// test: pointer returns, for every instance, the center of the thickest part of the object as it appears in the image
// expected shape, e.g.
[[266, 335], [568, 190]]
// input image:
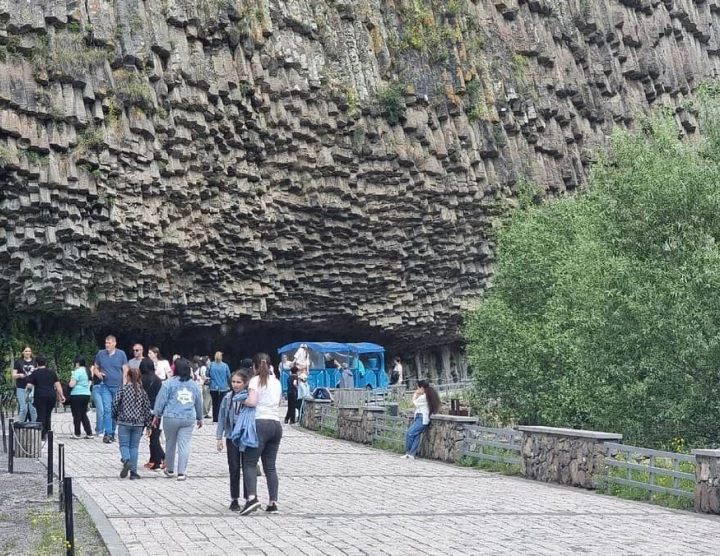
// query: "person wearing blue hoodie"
[[179, 403], [219, 374], [230, 410]]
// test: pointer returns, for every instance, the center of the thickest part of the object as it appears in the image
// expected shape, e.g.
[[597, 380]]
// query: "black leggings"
[[292, 405], [79, 408], [234, 457], [44, 407], [216, 401], [269, 433], [157, 454]]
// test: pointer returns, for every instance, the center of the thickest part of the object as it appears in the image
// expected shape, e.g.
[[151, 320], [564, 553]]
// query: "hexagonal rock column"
[[565, 456], [707, 481]]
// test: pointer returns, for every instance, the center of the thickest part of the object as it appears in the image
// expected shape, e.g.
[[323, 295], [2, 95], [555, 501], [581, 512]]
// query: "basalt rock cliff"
[[330, 164]]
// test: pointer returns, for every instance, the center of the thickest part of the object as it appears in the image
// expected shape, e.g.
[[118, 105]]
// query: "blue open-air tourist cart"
[[367, 360]]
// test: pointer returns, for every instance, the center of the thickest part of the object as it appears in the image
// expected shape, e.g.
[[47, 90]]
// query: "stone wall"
[[443, 439], [357, 423], [707, 481], [177, 163], [310, 418], [565, 456]]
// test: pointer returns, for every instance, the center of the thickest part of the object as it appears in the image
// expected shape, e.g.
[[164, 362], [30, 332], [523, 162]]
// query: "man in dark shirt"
[[22, 369]]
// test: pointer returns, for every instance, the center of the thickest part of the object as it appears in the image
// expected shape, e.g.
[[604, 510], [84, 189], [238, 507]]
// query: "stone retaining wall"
[[357, 423], [707, 481], [565, 456]]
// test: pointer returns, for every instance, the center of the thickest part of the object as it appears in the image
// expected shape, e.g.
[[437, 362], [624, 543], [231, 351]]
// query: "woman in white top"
[[162, 367], [427, 402], [265, 393]]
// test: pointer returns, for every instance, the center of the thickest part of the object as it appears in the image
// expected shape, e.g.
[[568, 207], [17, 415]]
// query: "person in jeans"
[[426, 402], [265, 393], [179, 403], [131, 410], [152, 384], [219, 374], [80, 397], [229, 410], [111, 366], [22, 369], [47, 391], [96, 380]]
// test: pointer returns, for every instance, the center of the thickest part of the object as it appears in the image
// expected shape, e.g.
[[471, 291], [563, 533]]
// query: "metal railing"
[[390, 430], [487, 443], [647, 470], [328, 417]]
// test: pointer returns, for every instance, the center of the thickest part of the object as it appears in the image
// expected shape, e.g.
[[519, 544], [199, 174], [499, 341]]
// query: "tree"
[[604, 311]]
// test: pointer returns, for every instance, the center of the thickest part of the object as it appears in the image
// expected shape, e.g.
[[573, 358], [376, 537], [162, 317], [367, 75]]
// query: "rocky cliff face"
[[176, 163]]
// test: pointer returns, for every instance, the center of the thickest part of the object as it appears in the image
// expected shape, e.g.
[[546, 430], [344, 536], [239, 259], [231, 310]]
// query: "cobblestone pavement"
[[339, 498]]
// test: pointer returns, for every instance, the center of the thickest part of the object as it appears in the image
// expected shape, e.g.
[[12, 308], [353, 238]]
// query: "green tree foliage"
[[605, 308]]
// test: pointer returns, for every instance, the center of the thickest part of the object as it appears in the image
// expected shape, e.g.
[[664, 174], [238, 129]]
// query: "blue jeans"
[[99, 413], [412, 439], [24, 406], [107, 393], [129, 441], [178, 433]]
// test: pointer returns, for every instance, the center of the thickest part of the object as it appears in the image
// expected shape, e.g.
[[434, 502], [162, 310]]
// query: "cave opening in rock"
[[241, 339]]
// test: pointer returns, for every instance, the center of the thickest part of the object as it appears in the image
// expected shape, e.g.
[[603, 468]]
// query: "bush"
[[392, 103], [604, 308]]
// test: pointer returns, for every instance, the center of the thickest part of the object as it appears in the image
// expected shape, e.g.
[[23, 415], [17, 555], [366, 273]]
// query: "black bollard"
[[61, 475], [11, 454], [50, 478], [69, 524], [2, 418]]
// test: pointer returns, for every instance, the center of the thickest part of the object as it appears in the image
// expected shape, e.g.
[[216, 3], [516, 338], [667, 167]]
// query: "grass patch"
[[628, 492], [390, 446], [489, 465], [332, 433], [132, 90]]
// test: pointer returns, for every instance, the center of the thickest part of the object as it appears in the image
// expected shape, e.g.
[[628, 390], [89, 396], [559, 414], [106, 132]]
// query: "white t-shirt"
[[269, 398], [162, 369], [398, 369]]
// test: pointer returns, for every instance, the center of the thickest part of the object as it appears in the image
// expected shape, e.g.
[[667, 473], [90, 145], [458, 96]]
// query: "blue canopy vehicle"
[[367, 361]]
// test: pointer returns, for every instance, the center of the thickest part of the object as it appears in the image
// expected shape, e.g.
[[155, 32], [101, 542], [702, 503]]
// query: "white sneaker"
[[181, 477], [405, 456]]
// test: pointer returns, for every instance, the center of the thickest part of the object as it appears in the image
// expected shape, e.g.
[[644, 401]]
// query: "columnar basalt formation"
[[170, 163]]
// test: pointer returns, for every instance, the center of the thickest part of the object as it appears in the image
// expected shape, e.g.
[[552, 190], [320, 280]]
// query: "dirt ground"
[[31, 523]]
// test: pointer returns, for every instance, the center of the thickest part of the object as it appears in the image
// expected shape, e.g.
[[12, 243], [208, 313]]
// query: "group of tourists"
[[148, 395]]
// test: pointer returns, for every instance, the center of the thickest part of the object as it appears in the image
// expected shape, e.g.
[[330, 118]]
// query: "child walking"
[[131, 411], [427, 402], [229, 412]]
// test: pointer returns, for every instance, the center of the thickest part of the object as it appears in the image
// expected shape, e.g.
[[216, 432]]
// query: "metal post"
[[50, 477], [61, 474], [69, 524], [11, 454], [2, 418]]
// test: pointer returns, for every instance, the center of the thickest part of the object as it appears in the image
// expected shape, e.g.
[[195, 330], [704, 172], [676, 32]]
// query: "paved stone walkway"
[[339, 498]]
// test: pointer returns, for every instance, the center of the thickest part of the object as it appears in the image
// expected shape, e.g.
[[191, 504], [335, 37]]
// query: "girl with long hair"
[[131, 410], [179, 403], [265, 393], [230, 410], [162, 367], [427, 402]]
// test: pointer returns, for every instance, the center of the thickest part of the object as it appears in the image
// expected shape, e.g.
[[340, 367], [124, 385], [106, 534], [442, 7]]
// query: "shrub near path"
[[603, 313]]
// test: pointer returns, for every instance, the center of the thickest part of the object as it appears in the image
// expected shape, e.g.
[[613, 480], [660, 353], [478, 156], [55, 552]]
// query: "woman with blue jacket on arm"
[[219, 374], [231, 409], [179, 403]]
